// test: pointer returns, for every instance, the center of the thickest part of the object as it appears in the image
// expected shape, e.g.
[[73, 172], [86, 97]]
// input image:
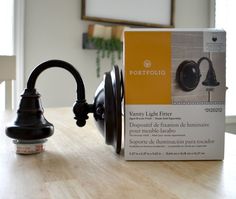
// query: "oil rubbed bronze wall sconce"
[[31, 127], [188, 74]]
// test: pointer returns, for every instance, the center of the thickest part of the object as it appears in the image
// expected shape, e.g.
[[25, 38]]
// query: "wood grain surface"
[[78, 164]]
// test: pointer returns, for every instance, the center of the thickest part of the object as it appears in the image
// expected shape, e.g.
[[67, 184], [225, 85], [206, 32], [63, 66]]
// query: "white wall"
[[192, 13], [53, 30]]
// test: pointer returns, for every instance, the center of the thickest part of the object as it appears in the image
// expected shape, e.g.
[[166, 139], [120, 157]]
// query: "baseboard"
[[230, 119], [230, 124]]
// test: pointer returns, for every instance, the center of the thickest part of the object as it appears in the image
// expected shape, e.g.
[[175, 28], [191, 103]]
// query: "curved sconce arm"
[[207, 59], [81, 108], [60, 64]]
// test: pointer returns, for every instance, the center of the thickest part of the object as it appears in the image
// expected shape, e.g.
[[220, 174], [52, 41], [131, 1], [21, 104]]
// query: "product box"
[[174, 82]]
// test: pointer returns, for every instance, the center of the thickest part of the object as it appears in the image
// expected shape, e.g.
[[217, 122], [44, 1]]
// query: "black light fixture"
[[31, 127], [188, 74]]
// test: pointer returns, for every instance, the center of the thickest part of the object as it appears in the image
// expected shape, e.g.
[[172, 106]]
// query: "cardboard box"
[[174, 94]]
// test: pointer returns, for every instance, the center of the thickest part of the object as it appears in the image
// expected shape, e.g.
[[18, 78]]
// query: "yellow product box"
[[174, 81]]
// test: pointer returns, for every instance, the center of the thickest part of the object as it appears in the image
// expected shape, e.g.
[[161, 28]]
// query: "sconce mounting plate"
[[188, 75], [112, 87]]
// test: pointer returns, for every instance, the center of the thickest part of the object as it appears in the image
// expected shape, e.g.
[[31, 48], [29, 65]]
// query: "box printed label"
[[148, 67], [214, 42], [174, 132], [174, 95]]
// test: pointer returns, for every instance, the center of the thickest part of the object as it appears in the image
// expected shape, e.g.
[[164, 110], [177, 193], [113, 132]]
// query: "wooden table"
[[77, 164]]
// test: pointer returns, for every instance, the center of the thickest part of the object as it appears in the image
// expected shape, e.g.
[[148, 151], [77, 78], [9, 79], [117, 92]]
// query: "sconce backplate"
[[112, 130], [188, 75]]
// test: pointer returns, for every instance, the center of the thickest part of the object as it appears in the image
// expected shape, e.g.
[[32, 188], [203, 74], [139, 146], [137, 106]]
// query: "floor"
[[230, 128]]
